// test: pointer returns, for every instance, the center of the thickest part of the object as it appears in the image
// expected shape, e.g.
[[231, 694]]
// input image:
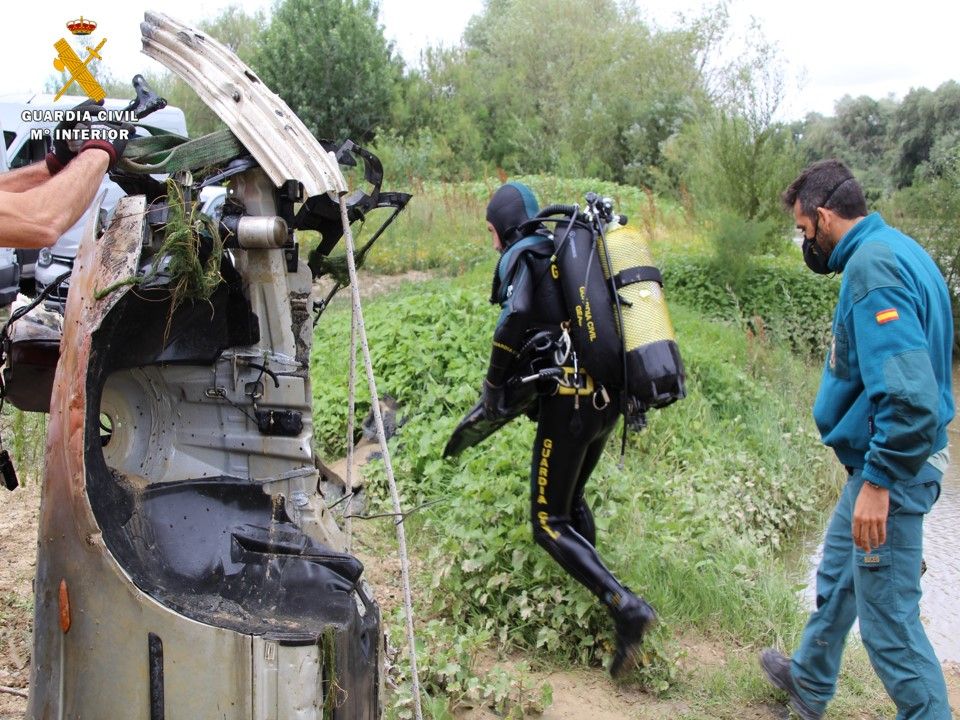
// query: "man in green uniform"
[[884, 403]]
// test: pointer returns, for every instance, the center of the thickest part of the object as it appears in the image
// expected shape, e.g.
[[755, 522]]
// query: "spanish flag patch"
[[888, 315]]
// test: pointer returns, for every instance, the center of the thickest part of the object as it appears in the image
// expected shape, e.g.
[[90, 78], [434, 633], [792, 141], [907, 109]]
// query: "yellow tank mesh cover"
[[645, 319]]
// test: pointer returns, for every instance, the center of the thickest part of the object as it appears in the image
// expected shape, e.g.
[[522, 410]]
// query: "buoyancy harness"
[[538, 243], [620, 326], [546, 361]]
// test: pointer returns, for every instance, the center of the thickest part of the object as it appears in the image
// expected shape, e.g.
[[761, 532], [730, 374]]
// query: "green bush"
[[25, 434], [716, 484], [777, 298], [735, 238], [425, 155], [429, 344]]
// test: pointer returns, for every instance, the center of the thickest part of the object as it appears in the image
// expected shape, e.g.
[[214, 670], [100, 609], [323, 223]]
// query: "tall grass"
[[24, 437], [443, 228]]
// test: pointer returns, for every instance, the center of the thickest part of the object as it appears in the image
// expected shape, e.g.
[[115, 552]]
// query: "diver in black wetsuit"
[[574, 418]]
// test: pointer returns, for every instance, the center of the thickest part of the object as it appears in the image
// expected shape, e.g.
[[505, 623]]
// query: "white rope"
[[382, 437], [352, 387]]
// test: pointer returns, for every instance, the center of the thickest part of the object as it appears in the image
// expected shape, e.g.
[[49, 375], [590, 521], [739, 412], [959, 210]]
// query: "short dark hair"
[[827, 184]]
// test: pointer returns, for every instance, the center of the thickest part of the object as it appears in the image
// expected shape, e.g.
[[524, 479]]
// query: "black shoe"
[[777, 668], [632, 618]]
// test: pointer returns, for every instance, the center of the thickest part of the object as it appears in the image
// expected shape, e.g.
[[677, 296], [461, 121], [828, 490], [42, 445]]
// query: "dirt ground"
[[371, 284], [18, 550]]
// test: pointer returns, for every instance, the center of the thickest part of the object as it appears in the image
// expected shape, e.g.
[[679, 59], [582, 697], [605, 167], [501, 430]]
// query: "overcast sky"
[[829, 47]]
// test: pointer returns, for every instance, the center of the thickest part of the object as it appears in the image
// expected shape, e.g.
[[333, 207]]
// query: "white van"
[[26, 142]]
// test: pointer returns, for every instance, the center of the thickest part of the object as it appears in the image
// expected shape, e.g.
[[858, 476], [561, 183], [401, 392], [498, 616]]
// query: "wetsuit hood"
[[511, 205]]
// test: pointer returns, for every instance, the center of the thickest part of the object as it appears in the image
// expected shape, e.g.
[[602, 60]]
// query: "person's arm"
[[507, 337], [511, 326], [900, 383], [36, 217], [24, 178], [897, 372]]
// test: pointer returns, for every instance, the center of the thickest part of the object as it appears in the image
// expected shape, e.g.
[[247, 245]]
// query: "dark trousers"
[[568, 445]]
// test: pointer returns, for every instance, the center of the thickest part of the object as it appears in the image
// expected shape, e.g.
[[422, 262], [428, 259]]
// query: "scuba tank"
[[653, 367]]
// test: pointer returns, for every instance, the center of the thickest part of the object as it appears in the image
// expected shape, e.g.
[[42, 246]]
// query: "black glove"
[[493, 401], [111, 137], [61, 153]]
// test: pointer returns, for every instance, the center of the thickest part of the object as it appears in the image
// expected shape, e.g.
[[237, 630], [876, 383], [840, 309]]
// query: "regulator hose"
[[558, 209]]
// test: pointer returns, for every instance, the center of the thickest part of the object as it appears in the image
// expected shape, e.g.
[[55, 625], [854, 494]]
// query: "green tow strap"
[[167, 152]]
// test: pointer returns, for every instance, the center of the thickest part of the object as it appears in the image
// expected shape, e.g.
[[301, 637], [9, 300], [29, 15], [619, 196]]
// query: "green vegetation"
[[554, 87], [24, 435], [703, 518], [443, 226], [330, 62], [557, 88], [770, 298]]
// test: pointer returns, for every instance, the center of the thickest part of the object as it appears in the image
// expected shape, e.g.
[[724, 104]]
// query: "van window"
[[31, 152], [8, 138]]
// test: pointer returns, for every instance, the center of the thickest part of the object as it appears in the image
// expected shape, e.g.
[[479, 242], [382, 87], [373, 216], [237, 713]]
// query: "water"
[[940, 606]]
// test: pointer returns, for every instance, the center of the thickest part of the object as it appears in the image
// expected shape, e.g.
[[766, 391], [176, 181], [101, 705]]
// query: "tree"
[[736, 158], [566, 86], [329, 60], [736, 166], [930, 212], [237, 30], [864, 124], [926, 126], [859, 135], [817, 137]]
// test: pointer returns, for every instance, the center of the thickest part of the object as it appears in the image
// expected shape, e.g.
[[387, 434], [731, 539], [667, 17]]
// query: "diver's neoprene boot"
[[632, 617]]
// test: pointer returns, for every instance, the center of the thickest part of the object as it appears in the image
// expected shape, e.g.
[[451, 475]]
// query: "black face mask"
[[814, 256]]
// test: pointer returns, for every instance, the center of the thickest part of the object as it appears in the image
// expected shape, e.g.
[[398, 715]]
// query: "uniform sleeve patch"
[[888, 315]]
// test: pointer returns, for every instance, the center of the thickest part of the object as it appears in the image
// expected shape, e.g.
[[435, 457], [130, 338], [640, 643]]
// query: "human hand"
[[61, 152], [110, 137], [870, 517]]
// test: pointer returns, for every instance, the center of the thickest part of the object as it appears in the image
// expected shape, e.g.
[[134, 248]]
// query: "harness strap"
[[574, 381], [637, 273]]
